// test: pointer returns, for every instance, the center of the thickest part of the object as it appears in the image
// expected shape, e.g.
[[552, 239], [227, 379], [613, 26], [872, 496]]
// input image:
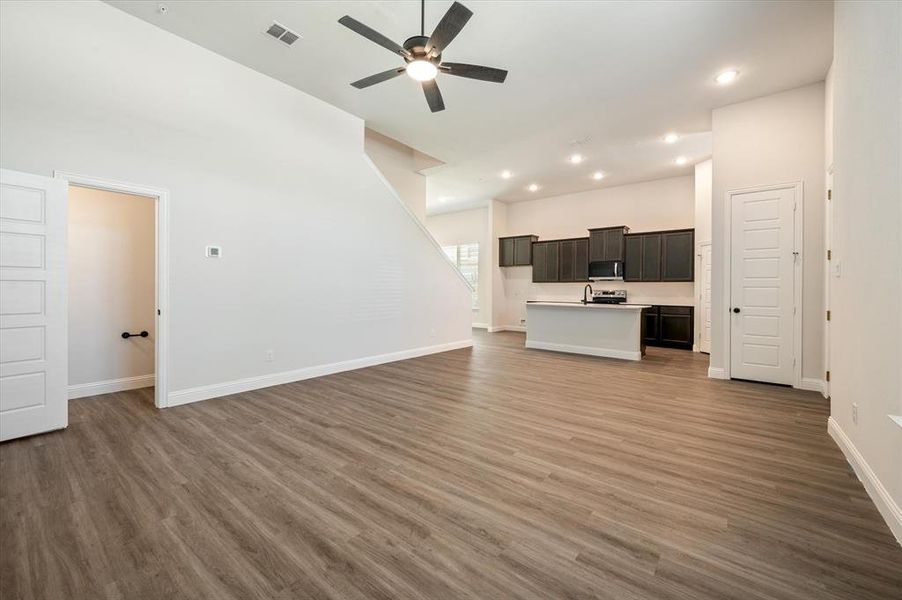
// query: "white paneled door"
[[762, 285], [33, 346], [705, 298]]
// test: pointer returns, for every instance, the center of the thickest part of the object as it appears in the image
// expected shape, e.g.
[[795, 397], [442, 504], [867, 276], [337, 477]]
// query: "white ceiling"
[[605, 79]]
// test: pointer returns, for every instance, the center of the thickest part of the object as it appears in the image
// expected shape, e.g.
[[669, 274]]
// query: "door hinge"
[[828, 376], [158, 312], [829, 254], [828, 315], [829, 194]]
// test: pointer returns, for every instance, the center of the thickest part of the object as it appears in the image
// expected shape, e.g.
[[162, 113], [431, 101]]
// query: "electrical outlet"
[[269, 355], [855, 413]]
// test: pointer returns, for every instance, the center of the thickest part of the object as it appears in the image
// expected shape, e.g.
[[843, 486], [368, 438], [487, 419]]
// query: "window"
[[466, 257]]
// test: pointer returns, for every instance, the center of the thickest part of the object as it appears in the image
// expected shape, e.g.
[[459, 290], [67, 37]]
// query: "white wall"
[[321, 263], [704, 174], [866, 295], [111, 285], [399, 164], [465, 227], [774, 139], [703, 181], [648, 206], [498, 227]]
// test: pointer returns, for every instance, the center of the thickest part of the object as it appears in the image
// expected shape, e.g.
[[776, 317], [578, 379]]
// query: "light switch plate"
[[214, 251]]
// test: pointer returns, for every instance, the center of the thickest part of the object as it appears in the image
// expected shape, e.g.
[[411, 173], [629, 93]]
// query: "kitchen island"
[[609, 330]]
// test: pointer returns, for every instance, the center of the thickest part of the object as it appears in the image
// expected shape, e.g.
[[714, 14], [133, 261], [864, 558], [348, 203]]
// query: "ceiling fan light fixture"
[[421, 70]]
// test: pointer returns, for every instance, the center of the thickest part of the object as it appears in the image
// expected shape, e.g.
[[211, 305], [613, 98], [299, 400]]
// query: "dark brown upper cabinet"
[[574, 257], [515, 251], [659, 256], [546, 261], [678, 255], [642, 257], [606, 243], [556, 261]]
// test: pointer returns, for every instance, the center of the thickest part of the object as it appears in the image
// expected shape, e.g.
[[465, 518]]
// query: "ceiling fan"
[[423, 55]]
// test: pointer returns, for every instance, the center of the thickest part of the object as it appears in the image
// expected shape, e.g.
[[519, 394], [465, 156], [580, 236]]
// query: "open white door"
[[33, 295], [762, 285]]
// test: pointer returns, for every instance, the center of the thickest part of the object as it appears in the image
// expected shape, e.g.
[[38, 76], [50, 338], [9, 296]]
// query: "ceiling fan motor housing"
[[416, 45]]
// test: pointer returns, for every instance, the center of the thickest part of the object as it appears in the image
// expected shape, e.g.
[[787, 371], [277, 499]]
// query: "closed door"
[[761, 285], [33, 345], [705, 299]]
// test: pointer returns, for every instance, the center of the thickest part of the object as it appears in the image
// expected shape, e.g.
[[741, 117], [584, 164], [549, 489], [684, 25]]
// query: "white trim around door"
[[798, 258], [161, 198]]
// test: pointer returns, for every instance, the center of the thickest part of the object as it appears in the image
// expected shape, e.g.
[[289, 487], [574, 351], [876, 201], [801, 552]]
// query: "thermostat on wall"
[[214, 251]]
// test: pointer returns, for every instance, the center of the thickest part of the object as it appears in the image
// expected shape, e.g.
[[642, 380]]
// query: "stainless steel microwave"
[[606, 270]]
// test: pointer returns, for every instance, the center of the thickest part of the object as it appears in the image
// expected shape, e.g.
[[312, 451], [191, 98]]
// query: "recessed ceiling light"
[[598, 176], [506, 175], [533, 187], [576, 158], [681, 160], [671, 138], [727, 77]]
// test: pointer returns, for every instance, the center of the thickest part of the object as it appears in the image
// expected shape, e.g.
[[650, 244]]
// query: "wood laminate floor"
[[496, 472]]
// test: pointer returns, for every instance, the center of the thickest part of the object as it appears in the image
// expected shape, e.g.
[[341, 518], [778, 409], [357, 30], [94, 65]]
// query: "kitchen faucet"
[[588, 289]]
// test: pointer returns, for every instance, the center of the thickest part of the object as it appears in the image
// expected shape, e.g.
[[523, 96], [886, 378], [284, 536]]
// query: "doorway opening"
[[116, 288]]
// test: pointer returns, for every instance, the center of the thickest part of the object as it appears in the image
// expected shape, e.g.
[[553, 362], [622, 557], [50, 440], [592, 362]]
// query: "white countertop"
[[590, 305]]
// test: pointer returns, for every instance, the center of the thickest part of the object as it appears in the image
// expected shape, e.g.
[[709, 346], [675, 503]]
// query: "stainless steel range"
[[609, 296]]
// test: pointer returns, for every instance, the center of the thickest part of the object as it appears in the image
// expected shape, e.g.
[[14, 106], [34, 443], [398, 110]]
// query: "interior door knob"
[[736, 310]]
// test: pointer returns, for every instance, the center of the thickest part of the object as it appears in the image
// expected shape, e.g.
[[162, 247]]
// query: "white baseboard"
[[888, 507], [717, 373], [496, 329], [813, 385], [572, 349], [480, 326], [205, 392], [83, 390]]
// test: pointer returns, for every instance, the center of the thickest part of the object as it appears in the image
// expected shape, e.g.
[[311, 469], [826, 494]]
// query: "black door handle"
[[736, 310], [126, 335]]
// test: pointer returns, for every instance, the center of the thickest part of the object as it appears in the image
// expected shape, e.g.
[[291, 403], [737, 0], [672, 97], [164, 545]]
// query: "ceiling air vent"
[[283, 34]]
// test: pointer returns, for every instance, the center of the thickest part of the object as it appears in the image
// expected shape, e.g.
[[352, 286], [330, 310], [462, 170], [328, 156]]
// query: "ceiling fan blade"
[[433, 96], [372, 35], [448, 28], [378, 78], [474, 72]]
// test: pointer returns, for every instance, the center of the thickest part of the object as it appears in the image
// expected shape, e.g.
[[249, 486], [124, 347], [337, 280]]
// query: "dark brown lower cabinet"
[[670, 326]]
